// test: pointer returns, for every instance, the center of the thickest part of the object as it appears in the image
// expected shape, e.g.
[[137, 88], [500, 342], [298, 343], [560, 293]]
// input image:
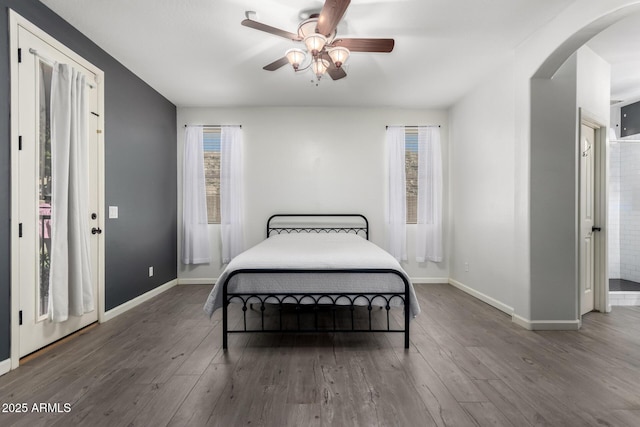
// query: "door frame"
[[601, 200], [16, 21]]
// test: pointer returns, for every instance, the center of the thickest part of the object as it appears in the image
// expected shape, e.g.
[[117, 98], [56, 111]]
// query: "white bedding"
[[324, 251]]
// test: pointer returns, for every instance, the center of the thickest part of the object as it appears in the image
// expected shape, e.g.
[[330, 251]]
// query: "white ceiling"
[[196, 53]]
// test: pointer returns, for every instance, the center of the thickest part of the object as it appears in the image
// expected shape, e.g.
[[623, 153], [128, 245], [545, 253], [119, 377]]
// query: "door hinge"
[[19, 55], [20, 317], [20, 142], [20, 230]]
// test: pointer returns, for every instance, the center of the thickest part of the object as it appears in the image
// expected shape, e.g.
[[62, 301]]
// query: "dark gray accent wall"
[[630, 119], [140, 169]]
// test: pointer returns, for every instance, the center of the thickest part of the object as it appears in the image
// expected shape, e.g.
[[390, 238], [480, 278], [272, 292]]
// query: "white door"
[[34, 193], [587, 211]]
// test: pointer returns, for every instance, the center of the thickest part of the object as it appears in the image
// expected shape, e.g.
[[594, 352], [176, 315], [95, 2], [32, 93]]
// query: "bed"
[[309, 265]]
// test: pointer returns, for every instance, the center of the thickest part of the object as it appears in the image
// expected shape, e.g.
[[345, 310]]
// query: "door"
[[34, 192], [587, 212]]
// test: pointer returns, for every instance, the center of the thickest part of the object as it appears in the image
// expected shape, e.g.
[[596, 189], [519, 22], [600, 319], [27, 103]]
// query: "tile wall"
[[624, 211], [614, 212]]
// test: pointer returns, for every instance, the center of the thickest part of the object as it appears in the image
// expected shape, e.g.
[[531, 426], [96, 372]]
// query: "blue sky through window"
[[411, 142], [211, 141]]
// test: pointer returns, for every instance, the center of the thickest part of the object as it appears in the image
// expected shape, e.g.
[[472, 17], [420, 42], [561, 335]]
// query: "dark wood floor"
[[161, 364]]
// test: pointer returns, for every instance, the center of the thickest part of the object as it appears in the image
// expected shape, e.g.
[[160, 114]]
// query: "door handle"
[[596, 229], [95, 230]]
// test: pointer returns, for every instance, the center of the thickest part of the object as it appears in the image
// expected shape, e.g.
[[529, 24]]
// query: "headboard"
[[318, 223]]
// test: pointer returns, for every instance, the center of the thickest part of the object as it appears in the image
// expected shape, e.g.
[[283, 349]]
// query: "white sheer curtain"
[[70, 284], [397, 198], [195, 227], [231, 192], [429, 232]]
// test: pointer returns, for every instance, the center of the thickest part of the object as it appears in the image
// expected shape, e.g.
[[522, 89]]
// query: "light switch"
[[113, 212]]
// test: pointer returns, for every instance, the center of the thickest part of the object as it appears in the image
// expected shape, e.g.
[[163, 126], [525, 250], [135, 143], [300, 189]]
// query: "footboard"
[[314, 301]]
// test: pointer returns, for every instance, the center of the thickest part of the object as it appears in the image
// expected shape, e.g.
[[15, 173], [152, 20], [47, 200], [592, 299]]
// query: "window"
[[211, 148], [411, 173]]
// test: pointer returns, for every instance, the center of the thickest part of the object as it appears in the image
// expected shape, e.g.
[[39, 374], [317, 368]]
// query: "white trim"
[[521, 321], [546, 325], [482, 297], [15, 266], [16, 21], [5, 366], [116, 311], [202, 281], [429, 280]]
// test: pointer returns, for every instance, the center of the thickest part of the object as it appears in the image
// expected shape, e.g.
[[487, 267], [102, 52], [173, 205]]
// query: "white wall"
[[554, 203], [594, 85], [494, 163], [482, 189], [582, 83], [540, 54], [313, 160]]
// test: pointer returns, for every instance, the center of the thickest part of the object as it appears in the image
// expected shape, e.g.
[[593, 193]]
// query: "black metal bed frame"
[[314, 301]]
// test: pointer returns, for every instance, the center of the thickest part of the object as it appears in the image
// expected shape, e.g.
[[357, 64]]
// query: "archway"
[[566, 85]]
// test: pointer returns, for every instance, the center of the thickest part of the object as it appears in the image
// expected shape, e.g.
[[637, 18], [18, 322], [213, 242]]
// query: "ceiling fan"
[[324, 52]]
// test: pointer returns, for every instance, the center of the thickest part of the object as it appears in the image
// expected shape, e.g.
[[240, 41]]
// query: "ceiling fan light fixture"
[[322, 51], [315, 43], [319, 67], [295, 57], [307, 27], [339, 55]]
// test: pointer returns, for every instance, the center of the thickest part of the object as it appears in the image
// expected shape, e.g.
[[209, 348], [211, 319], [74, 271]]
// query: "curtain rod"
[[213, 126], [51, 62], [416, 126]]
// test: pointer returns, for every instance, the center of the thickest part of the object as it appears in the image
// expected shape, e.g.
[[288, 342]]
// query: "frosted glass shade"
[[339, 55], [315, 42], [319, 66], [295, 57]]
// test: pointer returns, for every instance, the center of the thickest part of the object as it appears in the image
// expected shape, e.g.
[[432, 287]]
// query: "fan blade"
[[269, 29], [336, 73], [330, 16], [333, 71], [366, 45], [276, 64]]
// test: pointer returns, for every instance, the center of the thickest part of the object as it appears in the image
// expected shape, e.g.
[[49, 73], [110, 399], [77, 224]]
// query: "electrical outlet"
[[113, 212], [466, 266], [150, 271]]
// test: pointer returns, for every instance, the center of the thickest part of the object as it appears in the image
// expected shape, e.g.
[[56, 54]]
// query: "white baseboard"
[[429, 280], [5, 366], [546, 325], [116, 311], [532, 325], [205, 281], [482, 297]]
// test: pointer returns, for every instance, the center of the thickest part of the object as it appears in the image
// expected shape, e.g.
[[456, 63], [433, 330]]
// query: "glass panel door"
[[44, 185]]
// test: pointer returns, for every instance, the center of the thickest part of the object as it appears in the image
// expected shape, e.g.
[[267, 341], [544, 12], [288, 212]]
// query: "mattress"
[[315, 251]]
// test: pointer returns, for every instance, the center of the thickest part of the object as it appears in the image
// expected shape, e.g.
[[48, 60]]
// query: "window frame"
[[411, 150], [212, 145]]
